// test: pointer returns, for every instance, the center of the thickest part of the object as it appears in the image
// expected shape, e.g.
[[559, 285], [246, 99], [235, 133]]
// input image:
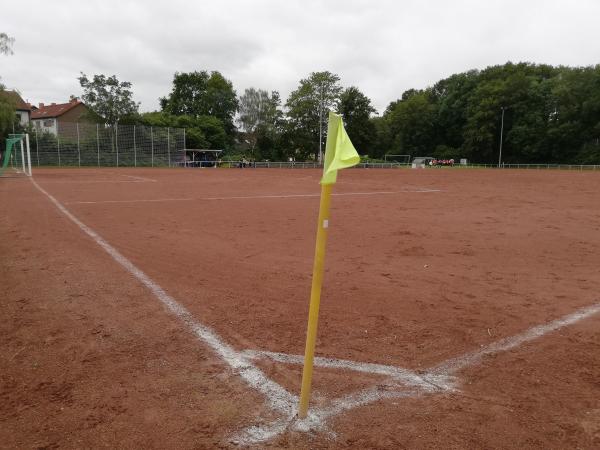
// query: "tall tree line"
[[551, 115]]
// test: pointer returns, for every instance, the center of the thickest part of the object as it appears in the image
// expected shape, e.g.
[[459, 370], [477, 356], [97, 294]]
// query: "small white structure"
[[421, 162]]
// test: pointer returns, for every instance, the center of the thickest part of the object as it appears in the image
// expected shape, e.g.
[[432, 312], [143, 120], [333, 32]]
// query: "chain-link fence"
[[86, 144]]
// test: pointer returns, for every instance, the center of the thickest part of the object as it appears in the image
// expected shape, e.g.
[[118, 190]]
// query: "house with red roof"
[[47, 118]]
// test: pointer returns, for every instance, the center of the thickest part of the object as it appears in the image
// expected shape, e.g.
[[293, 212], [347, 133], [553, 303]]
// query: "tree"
[[200, 132], [307, 111], [356, 109], [108, 97], [6, 43], [260, 117], [7, 106], [200, 94], [412, 121]]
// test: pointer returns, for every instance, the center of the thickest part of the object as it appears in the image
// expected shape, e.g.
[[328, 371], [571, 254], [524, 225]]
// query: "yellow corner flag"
[[339, 151], [339, 154]]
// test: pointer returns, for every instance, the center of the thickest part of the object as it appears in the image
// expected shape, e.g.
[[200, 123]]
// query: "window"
[[49, 123]]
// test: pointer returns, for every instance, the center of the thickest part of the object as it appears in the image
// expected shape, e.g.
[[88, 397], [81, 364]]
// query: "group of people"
[[246, 163], [441, 162]]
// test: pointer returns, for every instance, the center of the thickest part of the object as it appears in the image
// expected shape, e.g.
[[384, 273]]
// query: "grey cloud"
[[382, 47]]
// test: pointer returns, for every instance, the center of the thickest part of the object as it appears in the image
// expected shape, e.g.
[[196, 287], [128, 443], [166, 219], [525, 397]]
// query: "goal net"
[[400, 159], [15, 160]]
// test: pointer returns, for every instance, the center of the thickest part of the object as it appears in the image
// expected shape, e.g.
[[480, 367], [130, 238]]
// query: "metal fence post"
[[37, 149], [58, 141], [152, 145], [117, 142], [78, 149], [134, 149], [169, 145], [98, 142]]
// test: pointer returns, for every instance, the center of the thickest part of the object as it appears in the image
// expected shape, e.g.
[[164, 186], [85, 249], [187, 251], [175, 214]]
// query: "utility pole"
[[321, 129], [501, 135]]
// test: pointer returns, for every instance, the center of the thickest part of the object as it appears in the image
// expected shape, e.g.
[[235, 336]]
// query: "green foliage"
[[202, 94], [356, 109], [307, 112], [7, 116], [261, 120], [108, 97], [552, 115], [201, 132]]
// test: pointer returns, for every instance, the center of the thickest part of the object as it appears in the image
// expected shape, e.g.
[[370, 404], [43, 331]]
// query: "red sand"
[[90, 359]]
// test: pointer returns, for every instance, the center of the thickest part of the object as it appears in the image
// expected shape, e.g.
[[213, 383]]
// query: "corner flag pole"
[[339, 154], [315, 299]]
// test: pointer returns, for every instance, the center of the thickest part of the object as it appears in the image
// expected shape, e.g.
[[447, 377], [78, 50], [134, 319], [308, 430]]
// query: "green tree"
[[7, 106], [108, 97], [202, 94], [308, 106], [412, 123], [201, 132], [356, 109], [260, 118]]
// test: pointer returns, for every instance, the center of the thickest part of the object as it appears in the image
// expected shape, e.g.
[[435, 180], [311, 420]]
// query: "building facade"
[[47, 118]]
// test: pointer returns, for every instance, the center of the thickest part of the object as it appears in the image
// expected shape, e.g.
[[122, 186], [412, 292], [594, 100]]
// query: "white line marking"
[[278, 398], [249, 197], [437, 379], [133, 201], [137, 178], [469, 359], [408, 377], [91, 181]]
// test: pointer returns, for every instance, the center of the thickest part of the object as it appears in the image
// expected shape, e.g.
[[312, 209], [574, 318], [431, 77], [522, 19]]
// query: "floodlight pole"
[[501, 135], [321, 132]]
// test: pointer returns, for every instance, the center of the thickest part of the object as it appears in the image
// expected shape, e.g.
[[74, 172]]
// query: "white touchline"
[[138, 178], [250, 197], [91, 181], [453, 365], [407, 376], [278, 397]]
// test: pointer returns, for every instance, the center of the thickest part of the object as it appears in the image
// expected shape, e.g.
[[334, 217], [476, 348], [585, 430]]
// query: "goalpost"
[[16, 158], [400, 159]]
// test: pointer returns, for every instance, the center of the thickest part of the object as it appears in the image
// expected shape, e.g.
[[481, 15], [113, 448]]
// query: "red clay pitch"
[[422, 266]]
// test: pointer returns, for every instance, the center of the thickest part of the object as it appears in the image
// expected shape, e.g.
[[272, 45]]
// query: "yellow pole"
[[315, 299]]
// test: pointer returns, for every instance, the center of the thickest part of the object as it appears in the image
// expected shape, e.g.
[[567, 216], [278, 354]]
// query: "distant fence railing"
[[376, 165], [86, 144], [536, 166], [298, 165]]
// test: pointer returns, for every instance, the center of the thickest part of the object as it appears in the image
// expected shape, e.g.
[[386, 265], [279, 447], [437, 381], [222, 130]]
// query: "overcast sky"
[[382, 47]]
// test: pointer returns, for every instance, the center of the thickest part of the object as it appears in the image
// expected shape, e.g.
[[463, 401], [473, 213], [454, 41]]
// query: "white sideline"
[[138, 178], [278, 397], [453, 365], [397, 373], [250, 197]]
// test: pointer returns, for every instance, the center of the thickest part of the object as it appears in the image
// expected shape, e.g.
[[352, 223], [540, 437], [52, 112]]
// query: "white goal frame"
[[406, 158], [22, 149]]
